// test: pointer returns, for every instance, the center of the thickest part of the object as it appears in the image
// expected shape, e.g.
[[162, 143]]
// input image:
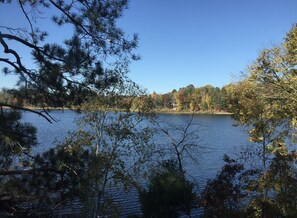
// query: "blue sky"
[[197, 42], [202, 42]]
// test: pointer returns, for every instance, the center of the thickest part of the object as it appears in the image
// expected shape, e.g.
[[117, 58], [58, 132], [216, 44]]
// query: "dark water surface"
[[217, 136]]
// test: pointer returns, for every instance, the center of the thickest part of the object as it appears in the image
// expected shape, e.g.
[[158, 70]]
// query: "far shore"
[[171, 111], [157, 111]]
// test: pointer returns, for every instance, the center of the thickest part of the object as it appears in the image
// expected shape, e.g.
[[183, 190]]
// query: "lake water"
[[216, 134]]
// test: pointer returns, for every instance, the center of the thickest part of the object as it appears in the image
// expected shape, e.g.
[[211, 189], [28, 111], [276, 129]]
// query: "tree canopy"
[[90, 61], [265, 103], [78, 64], [190, 99]]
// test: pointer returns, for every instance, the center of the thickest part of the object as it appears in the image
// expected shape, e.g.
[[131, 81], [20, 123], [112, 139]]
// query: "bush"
[[169, 192]]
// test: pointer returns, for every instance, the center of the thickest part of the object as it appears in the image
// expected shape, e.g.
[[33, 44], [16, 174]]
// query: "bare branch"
[[16, 55], [26, 15], [75, 22], [15, 67], [29, 170], [29, 110], [30, 45], [12, 37]]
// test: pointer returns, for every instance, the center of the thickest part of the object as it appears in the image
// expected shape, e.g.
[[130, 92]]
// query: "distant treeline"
[[191, 99], [186, 99]]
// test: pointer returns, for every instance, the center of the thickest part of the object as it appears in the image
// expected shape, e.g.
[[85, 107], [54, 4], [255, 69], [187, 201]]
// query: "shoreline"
[[157, 111], [191, 112]]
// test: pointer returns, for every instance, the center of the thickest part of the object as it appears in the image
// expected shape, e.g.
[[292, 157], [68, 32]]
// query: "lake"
[[216, 134]]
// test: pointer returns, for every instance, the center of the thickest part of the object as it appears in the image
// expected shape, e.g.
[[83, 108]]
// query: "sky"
[[202, 42], [197, 42]]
